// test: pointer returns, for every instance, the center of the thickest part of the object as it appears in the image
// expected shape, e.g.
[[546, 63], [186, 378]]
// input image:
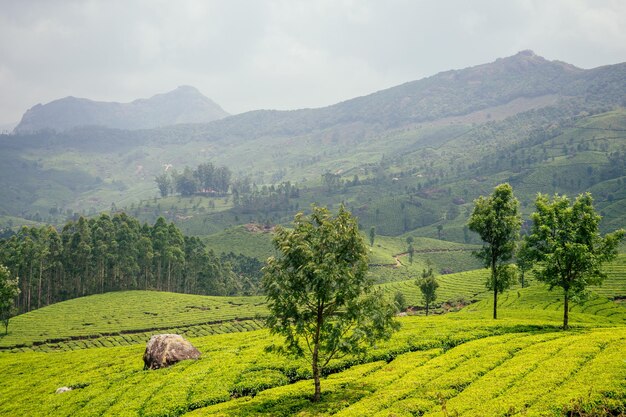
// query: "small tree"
[[9, 289], [567, 246], [400, 301], [410, 248], [319, 296], [164, 183], [524, 262], [372, 235], [497, 220], [428, 286]]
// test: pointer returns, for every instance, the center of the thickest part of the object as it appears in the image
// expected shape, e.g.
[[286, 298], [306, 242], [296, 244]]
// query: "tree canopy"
[[319, 296], [497, 220], [428, 286], [567, 245], [114, 253], [9, 289]]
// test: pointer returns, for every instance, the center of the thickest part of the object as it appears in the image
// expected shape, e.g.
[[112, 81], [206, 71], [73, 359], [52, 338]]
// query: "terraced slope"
[[131, 313], [526, 374], [469, 285], [474, 366]]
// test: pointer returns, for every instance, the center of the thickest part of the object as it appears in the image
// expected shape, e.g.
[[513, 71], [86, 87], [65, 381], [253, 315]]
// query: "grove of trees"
[[114, 253], [206, 178]]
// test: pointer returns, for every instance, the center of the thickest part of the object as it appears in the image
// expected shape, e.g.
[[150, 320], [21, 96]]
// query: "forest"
[[117, 253]]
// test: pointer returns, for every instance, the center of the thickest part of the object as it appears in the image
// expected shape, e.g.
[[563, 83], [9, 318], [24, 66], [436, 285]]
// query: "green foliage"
[[251, 240], [497, 220], [319, 295], [566, 243], [113, 253], [400, 301], [9, 289], [428, 286]]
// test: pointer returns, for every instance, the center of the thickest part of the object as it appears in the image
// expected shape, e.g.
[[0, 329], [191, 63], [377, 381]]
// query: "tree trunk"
[[316, 376], [314, 362], [39, 283], [169, 274], [566, 310], [426, 309], [494, 279]]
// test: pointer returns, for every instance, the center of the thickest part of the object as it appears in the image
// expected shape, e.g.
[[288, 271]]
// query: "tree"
[[428, 286], [319, 296], [567, 246], [9, 289], [372, 235], [400, 300], [164, 183], [524, 261], [439, 230], [497, 220], [410, 249]]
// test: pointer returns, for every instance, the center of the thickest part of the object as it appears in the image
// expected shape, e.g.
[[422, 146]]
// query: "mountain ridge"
[[184, 104]]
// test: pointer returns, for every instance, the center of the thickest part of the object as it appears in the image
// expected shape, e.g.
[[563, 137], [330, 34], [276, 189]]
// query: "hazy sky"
[[277, 54]]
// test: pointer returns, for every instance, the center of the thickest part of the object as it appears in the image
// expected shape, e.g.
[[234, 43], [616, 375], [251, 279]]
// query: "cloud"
[[279, 53]]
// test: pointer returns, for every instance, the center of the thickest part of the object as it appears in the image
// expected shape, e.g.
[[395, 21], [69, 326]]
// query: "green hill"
[[462, 362], [407, 159]]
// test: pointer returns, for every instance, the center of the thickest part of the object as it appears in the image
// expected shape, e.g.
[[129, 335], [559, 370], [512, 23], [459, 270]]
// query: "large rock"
[[164, 350]]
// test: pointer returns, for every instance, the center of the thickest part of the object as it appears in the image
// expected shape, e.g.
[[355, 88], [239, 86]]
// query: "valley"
[[125, 220]]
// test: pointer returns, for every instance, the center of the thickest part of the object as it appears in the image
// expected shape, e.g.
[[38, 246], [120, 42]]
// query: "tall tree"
[[428, 286], [9, 289], [497, 220], [319, 296], [372, 235], [567, 245]]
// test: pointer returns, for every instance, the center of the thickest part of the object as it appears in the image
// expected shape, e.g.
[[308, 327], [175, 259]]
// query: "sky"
[[279, 54]]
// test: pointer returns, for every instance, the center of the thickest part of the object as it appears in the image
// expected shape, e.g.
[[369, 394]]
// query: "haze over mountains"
[[185, 104], [523, 76], [403, 157]]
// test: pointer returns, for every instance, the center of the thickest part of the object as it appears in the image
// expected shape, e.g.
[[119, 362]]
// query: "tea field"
[[127, 313], [471, 365], [461, 363]]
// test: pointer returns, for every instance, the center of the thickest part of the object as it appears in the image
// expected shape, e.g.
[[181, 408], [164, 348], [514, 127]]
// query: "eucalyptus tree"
[[497, 220]]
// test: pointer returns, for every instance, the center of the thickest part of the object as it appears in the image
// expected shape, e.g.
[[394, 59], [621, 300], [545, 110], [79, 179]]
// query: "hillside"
[[409, 159], [463, 363], [185, 104]]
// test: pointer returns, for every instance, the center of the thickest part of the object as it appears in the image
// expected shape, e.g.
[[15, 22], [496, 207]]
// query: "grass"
[[252, 242]]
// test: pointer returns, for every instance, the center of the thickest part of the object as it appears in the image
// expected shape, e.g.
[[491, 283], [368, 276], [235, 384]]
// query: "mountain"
[[185, 104], [406, 159], [515, 84]]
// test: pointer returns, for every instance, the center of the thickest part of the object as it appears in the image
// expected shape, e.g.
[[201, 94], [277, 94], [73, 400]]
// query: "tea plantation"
[[461, 363]]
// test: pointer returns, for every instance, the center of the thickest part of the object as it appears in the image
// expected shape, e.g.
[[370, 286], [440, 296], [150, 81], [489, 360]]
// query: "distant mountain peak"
[[186, 89], [185, 104]]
